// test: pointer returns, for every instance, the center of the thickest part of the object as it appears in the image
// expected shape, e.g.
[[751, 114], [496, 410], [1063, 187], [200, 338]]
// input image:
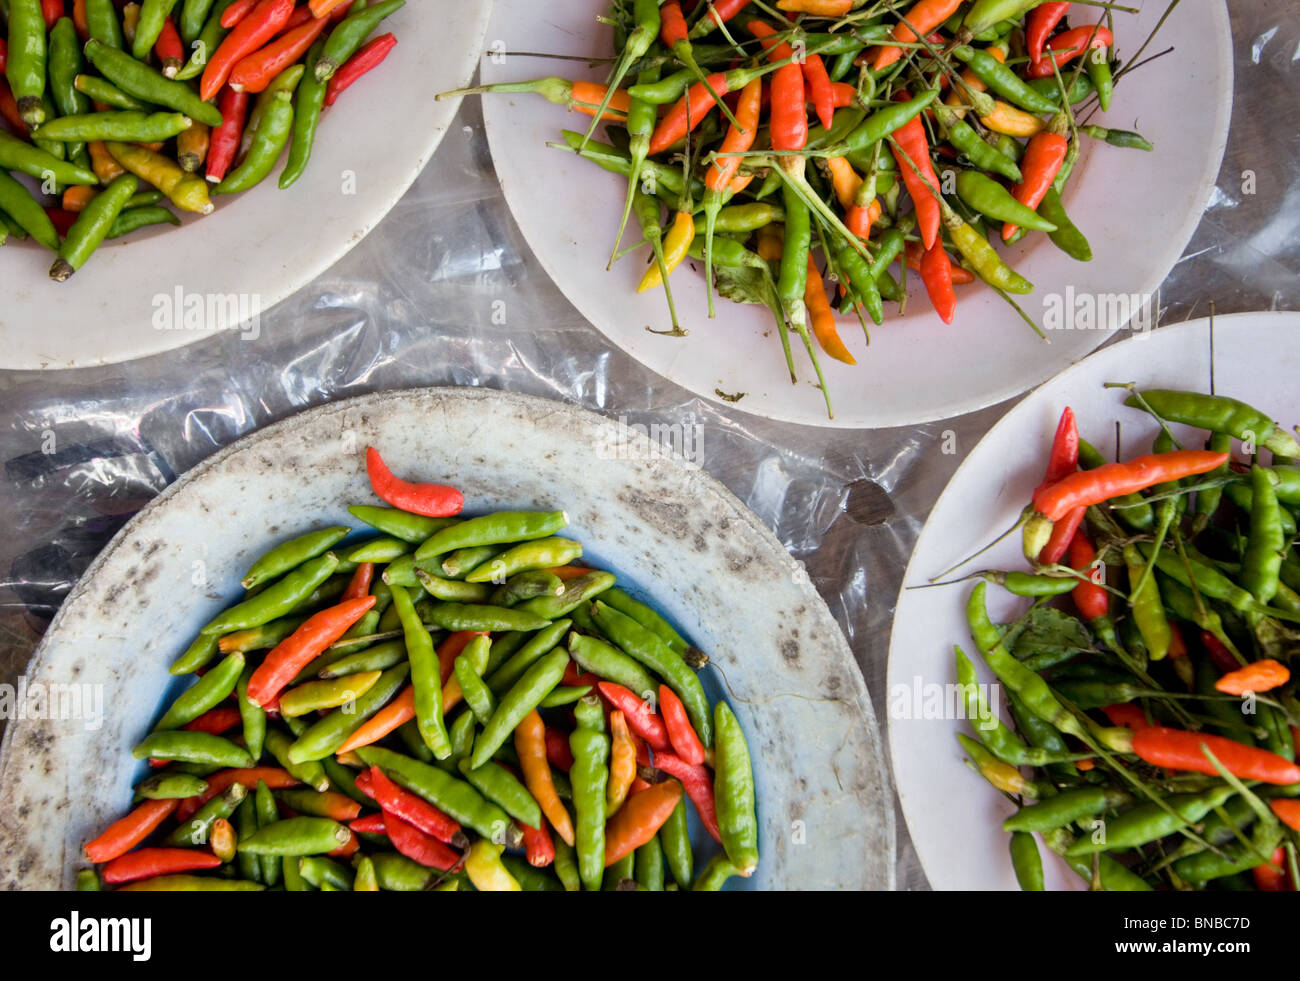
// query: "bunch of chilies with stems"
[[774, 134], [1162, 724]]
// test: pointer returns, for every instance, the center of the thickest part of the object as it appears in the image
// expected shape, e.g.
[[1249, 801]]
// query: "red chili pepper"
[[170, 49], [79, 20], [306, 643], [1085, 488], [672, 24], [4, 54], [1176, 749], [1091, 600], [236, 12], [820, 88], [936, 274], [149, 862], [1068, 46], [359, 584], [912, 143], [1177, 645], [62, 220], [418, 846], [430, 500], [1041, 22], [538, 846], [224, 142], [363, 61], [687, 114], [51, 10], [686, 743], [9, 110], [641, 718], [1219, 655], [256, 71], [215, 721], [261, 24], [699, 788], [913, 252], [788, 122], [346, 850], [1267, 877], [371, 824], [843, 94], [1043, 160], [575, 677], [1064, 460], [558, 753], [1288, 812], [723, 10], [411, 808], [299, 17], [1127, 714], [124, 834]]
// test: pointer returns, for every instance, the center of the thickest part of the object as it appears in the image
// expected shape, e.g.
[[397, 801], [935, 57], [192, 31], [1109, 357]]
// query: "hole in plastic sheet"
[[868, 503]]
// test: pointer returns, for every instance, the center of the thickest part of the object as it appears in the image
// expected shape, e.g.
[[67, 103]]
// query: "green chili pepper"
[[38, 163], [1027, 862], [1219, 414], [344, 39], [327, 734], [566, 865], [17, 203], [88, 881], [133, 219], [564, 696], [291, 554], [26, 65], [646, 616], [733, 786], [153, 15], [525, 586], [269, 140], [275, 601], [537, 682], [195, 830], [250, 866], [192, 747], [962, 137], [1080, 89], [620, 876], [611, 664], [64, 63], [983, 258], [861, 281], [576, 593], [1261, 564], [206, 693], [1066, 237], [1003, 80], [649, 866], [1237, 857], [1148, 822], [193, 15], [143, 82], [714, 875], [297, 836], [590, 777], [676, 842], [468, 668], [380, 657], [990, 198], [1066, 808], [102, 23], [94, 87], [397, 873], [412, 528], [501, 787], [544, 553], [651, 651], [171, 786], [208, 40], [453, 796], [324, 872], [310, 772], [503, 527], [880, 124], [379, 550], [540, 644]]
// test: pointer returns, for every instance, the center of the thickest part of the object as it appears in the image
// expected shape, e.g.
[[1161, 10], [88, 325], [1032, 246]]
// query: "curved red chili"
[[1085, 488], [1068, 46], [430, 500], [1039, 25], [366, 58]]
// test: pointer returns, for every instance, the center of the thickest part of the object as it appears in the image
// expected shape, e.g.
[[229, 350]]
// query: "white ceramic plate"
[[1139, 210], [261, 246], [954, 817], [661, 524]]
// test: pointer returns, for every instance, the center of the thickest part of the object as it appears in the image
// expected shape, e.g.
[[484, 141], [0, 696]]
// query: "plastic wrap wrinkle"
[[444, 291]]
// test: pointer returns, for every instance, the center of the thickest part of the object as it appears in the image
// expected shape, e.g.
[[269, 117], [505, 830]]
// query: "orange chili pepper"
[[297, 650], [1288, 812], [236, 12], [149, 862], [925, 16], [567, 572], [587, 97], [640, 819], [530, 744], [123, 835], [319, 8], [936, 274], [817, 8], [822, 320], [398, 712], [738, 139], [1258, 677], [75, 198], [622, 762], [79, 19]]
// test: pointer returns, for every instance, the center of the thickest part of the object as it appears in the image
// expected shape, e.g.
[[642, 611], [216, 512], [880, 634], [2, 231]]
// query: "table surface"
[[446, 292]]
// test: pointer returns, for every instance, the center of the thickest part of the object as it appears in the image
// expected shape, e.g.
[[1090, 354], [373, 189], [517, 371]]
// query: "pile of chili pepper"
[[1156, 713], [120, 109], [453, 703], [866, 132]]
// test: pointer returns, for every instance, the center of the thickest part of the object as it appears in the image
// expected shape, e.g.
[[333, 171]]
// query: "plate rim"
[[1003, 423]]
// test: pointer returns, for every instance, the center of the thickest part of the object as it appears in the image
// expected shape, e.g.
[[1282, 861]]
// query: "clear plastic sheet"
[[446, 292]]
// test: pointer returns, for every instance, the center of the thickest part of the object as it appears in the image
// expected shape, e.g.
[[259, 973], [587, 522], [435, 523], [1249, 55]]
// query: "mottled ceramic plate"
[[669, 530], [955, 818], [1138, 209], [161, 289]]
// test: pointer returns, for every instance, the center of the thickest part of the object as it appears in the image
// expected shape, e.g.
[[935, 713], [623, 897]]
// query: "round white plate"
[[663, 525], [955, 818], [160, 290], [1138, 209]]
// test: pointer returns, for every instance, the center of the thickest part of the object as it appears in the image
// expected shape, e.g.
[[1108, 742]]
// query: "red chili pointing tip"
[[430, 500]]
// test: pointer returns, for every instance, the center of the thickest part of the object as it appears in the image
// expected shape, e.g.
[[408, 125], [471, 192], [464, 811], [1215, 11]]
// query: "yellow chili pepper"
[[1007, 119], [771, 242], [622, 763], [484, 867], [130, 20], [676, 244], [1003, 776], [845, 181], [189, 192], [313, 695], [817, 8]]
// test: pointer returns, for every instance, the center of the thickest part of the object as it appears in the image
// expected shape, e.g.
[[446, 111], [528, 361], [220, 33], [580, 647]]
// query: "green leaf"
[[1050, 632]]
